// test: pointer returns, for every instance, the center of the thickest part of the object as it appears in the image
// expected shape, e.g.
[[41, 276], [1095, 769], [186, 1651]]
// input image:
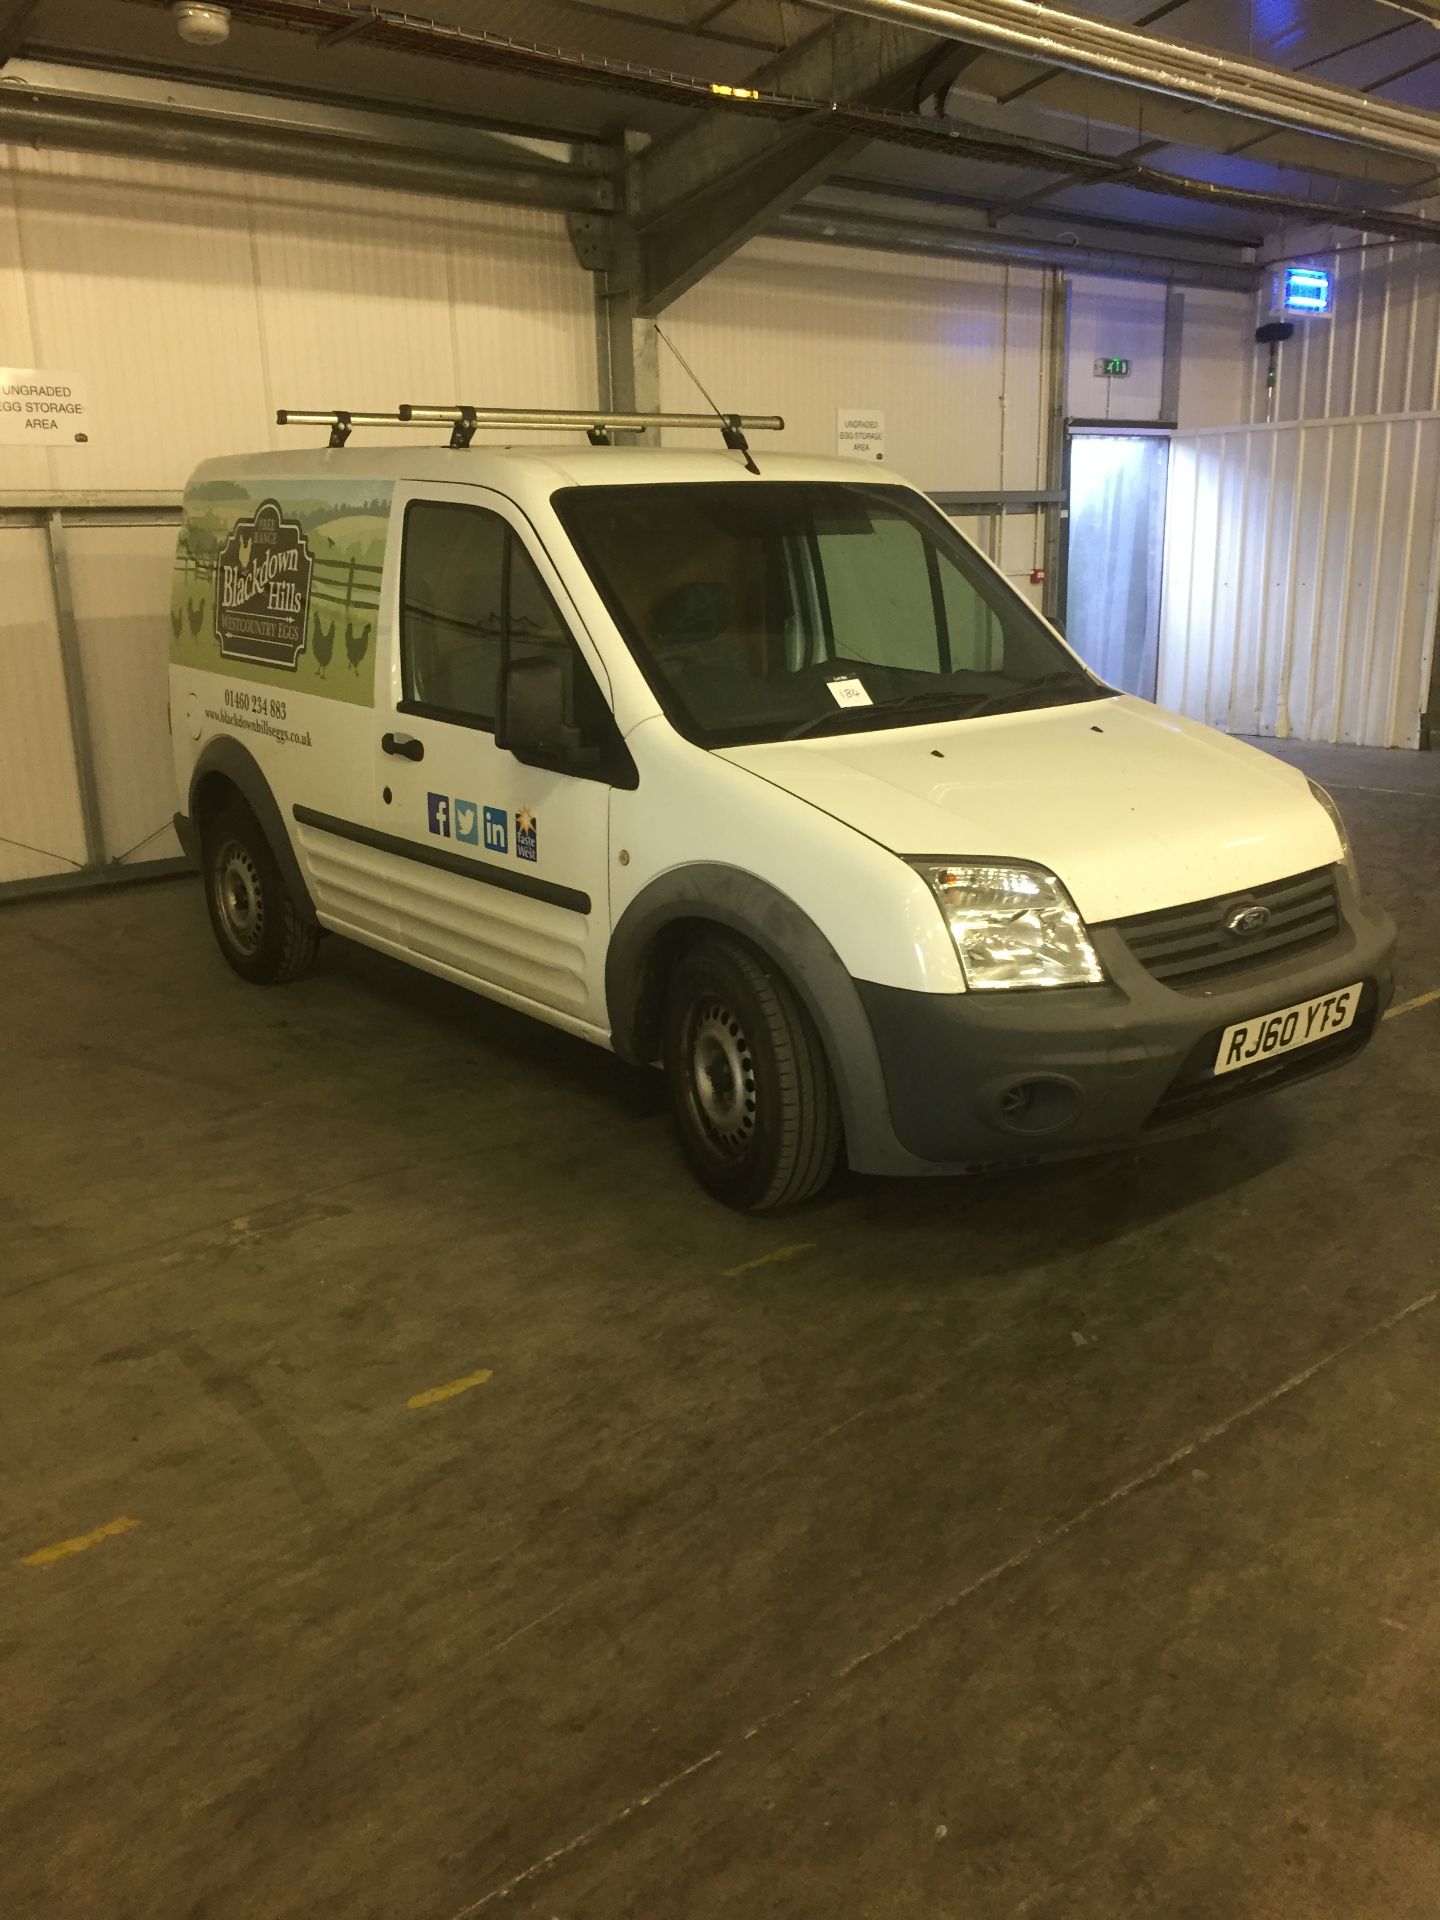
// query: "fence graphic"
[[344, 603]]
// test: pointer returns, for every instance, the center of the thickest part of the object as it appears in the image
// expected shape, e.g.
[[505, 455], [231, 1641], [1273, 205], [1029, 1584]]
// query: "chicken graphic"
[[195, 614], [357, 645], [322, 641], [245, 547]]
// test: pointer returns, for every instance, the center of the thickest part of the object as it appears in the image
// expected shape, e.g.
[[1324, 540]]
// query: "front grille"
[[1189, 947]]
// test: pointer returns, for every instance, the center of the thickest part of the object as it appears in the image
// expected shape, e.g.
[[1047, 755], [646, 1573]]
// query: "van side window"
[[452, 609], [471, 597]]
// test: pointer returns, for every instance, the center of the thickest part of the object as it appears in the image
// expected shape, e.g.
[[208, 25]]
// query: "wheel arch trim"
[[230, 761], [732, 900]]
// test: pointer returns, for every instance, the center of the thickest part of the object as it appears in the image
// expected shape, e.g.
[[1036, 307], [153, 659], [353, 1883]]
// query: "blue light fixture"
[[1304, 290]]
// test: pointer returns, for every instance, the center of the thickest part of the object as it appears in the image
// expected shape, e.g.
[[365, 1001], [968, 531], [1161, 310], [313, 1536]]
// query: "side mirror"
[[532, 723]]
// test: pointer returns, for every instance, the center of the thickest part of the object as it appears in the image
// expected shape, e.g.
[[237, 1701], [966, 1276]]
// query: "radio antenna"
[[729, 422]]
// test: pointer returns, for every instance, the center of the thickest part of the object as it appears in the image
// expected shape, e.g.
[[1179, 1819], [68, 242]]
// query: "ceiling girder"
[[843, 226], [699, 195]]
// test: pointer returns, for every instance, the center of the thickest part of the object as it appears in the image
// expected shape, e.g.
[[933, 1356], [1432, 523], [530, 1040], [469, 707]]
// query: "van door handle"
[[405, 744]]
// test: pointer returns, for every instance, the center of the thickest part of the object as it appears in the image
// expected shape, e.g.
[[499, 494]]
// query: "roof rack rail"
[[463, 421], [339, 420]]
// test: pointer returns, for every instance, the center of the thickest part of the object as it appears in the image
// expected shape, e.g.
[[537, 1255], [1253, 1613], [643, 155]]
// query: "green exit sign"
[[1113, 369]]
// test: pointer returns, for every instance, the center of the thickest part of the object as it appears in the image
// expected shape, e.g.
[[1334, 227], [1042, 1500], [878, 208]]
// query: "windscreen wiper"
[[949, 701], [1020, 696], [876, 712]]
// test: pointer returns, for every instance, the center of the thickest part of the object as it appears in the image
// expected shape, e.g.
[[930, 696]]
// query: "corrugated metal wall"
[[949, 350], [40, 817], [1116, 319], [194, 303], [1377, 353], [1301, 576]]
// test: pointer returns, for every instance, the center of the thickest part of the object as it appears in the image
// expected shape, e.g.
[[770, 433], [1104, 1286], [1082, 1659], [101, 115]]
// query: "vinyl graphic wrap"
[[279, 583], [262, 590]]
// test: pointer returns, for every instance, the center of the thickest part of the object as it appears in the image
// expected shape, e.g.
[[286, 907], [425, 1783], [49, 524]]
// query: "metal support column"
[[627, 368], [73, 671], [1170, 363], [1055, 355], [1430, 713]]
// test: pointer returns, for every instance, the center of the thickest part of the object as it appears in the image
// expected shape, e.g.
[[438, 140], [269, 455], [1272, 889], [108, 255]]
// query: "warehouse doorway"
[[1116, 545]]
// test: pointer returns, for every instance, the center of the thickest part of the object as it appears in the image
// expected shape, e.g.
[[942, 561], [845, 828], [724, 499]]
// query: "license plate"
[[1269, 1034]]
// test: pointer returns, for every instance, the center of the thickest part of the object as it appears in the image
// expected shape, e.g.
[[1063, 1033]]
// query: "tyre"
[[749, 1086], [259, 926]]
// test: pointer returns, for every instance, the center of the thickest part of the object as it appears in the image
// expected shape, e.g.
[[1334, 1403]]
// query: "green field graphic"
[[343, 531]]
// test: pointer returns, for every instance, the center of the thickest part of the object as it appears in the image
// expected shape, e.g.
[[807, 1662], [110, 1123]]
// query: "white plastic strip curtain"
[[1301, 577], [1117, 514]]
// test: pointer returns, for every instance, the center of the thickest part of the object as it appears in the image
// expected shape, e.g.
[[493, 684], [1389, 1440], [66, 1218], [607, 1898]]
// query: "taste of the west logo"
[[262, 589]]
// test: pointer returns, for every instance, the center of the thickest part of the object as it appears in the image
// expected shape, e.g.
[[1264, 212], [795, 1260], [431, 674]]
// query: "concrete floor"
[[1062, 1544]]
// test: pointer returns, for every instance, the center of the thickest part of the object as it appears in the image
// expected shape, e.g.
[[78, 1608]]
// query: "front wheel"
[[749, 1085], [258, 925]]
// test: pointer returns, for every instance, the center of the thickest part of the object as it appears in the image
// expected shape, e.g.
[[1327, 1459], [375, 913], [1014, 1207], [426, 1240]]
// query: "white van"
[[770, 778]]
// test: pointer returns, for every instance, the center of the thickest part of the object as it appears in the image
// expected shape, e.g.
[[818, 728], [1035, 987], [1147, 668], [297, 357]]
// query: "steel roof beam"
[[697, 196], [842, 227]]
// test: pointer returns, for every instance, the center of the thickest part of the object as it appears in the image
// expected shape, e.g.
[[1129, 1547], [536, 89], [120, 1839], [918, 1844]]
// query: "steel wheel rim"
[[720, 1079], [239, 896]]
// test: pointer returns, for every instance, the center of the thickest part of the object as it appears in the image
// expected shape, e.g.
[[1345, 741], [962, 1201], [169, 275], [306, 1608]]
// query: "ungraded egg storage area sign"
[[42, 409], [861, 435]]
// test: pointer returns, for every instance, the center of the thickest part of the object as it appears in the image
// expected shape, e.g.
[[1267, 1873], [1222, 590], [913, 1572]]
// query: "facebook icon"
[[497, 830], [440, 814]]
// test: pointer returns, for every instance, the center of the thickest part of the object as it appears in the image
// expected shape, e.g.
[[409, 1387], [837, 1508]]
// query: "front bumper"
[[977, 1080]]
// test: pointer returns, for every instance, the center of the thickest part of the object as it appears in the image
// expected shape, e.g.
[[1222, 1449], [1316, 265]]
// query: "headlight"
[[1337, 820], [1013, 926]]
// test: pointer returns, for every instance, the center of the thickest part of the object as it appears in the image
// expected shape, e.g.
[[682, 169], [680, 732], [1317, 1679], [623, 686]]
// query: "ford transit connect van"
[[768, 778]]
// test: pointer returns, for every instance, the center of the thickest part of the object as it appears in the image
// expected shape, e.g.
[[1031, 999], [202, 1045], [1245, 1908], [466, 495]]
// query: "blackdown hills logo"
[[262, 589]]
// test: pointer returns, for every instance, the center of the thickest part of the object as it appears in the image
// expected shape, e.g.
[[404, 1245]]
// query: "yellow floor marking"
[[62, 1550], [1409, 1006], [768, 1259], [433, 1395]]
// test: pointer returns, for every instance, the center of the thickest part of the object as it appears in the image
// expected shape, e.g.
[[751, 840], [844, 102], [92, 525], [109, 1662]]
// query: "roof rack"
[[463, 422]]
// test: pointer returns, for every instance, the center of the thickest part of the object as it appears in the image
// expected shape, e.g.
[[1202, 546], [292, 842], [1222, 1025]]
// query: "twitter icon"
[[467, 822]]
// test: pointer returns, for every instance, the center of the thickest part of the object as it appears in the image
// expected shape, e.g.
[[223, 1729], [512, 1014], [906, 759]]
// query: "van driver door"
[[499, 871]]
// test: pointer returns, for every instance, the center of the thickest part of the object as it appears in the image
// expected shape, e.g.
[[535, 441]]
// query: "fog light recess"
[[1039, 1104]]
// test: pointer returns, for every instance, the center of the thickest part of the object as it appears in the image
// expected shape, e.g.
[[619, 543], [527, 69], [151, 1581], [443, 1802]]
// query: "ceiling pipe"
[[209, 139], [1204, 75], [849, 229]]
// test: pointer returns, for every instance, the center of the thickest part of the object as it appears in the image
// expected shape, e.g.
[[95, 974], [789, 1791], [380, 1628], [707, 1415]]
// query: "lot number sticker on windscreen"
[[1298, 1026], [849, 692]]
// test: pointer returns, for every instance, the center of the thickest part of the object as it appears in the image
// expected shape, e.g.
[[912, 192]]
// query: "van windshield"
[[768, 610]]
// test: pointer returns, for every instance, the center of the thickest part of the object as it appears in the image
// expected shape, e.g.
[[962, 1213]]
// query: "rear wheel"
[[749, 1086], [258, 924]]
